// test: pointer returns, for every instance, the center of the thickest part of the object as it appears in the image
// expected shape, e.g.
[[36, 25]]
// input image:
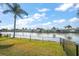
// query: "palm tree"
[[17, 11]]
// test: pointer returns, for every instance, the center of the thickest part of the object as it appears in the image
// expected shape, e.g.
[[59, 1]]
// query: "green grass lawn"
[[25, 47]]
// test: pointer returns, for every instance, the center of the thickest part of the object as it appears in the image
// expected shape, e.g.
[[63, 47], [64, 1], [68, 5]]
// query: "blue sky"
[[43, 15]]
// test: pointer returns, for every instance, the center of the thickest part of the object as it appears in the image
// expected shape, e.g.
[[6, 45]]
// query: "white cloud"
[[64, 7], [48, 23], [20, 23], [1, 10], [27, 21], [24, 21], [38, 15], [25, 16], [74, 19], [67, 6], [59, 21], [43, 9]]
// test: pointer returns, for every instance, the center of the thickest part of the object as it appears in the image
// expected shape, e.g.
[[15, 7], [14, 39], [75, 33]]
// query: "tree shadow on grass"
[[6, 46]]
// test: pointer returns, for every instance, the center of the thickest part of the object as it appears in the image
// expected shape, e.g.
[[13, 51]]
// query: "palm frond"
[[20, 16], [9, 5], [0, 21], [16, 6], [23, 12], [7, 11]]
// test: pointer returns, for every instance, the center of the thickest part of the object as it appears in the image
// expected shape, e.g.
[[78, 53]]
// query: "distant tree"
[[5, 29], [39, 30], [54, 28], [23, 28], [68, 27]]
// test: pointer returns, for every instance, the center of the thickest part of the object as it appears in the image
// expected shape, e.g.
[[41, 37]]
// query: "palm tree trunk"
[[14, 26]]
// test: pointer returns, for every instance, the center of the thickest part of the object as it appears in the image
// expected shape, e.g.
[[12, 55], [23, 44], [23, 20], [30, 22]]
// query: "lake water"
[[46, 36]]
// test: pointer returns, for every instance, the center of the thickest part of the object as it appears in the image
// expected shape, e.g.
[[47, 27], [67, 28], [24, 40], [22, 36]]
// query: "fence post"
[[76, 49], [63, 43]]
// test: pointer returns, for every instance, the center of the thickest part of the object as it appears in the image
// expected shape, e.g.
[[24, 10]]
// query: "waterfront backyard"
[[25, 47], [39, 30], [39, 43]]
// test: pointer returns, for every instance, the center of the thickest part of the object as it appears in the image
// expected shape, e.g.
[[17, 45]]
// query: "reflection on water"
[[69, 38], [45, 36]]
